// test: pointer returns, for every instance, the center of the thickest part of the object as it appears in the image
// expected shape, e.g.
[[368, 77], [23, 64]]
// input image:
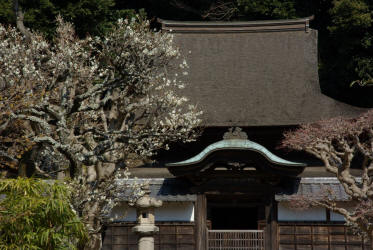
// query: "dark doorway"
[[233, 217]]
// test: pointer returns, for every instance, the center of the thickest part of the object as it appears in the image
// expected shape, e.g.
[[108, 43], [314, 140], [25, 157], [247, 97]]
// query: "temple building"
[[230, 189]]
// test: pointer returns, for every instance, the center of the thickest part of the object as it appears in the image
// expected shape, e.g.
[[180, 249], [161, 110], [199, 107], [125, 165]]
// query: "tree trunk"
[[93, 225], [94, 242], [371, 240], [94, 235], [19, 20]]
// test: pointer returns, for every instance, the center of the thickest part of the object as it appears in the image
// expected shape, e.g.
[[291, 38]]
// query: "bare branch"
[[221, 10], [337, 142]]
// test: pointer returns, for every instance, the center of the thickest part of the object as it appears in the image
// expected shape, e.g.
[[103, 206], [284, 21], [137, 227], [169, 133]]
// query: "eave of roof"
[[248, 26], [165, 189], [236, 144], [316, 187]]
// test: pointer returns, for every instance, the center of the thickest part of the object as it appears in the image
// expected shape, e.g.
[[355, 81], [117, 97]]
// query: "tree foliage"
[[94, 17], [36, 214], [268, 9], [342, 144]]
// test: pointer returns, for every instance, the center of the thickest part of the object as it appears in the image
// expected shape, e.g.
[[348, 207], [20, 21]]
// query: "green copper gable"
[[236, 144]]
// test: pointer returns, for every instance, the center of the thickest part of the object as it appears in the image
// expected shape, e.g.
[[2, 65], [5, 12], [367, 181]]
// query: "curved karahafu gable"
[[261, 73], [238, 156], [236, 144]]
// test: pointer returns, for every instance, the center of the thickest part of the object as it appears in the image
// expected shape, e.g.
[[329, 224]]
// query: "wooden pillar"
[[274, 225], [271, 226], [200, 217], [268, 233]]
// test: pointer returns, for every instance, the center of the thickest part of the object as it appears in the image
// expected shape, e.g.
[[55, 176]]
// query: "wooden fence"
[[171, 236], [318, 236], [235, 240]]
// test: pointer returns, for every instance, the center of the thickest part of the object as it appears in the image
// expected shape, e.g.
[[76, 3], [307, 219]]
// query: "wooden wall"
[[318, 236], [171, 236]]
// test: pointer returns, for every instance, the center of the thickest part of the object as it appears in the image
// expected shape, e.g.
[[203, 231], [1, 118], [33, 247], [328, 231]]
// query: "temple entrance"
[[233, 214], [234, 223], [234, 218], [236, 180]]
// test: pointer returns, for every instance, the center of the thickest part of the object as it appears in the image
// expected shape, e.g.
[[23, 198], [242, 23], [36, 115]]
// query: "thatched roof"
[[254, 73]]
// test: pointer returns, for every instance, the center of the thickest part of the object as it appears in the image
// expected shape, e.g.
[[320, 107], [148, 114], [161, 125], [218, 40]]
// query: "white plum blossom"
[[95, 103]]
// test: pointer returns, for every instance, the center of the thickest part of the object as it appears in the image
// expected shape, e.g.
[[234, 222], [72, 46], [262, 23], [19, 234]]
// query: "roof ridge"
[[236, 26]]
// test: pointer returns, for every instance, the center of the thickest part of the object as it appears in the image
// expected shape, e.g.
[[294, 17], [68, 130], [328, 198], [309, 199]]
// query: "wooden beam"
[[200, 217], [213, 188]]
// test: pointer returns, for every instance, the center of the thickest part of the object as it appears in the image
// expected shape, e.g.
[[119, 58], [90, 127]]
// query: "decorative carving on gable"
[[235, 133]]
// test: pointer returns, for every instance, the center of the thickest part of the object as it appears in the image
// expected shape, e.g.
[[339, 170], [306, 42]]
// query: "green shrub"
[[36, 214]]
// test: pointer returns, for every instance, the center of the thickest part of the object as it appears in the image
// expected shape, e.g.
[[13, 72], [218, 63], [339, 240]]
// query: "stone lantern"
[[145, 227]]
